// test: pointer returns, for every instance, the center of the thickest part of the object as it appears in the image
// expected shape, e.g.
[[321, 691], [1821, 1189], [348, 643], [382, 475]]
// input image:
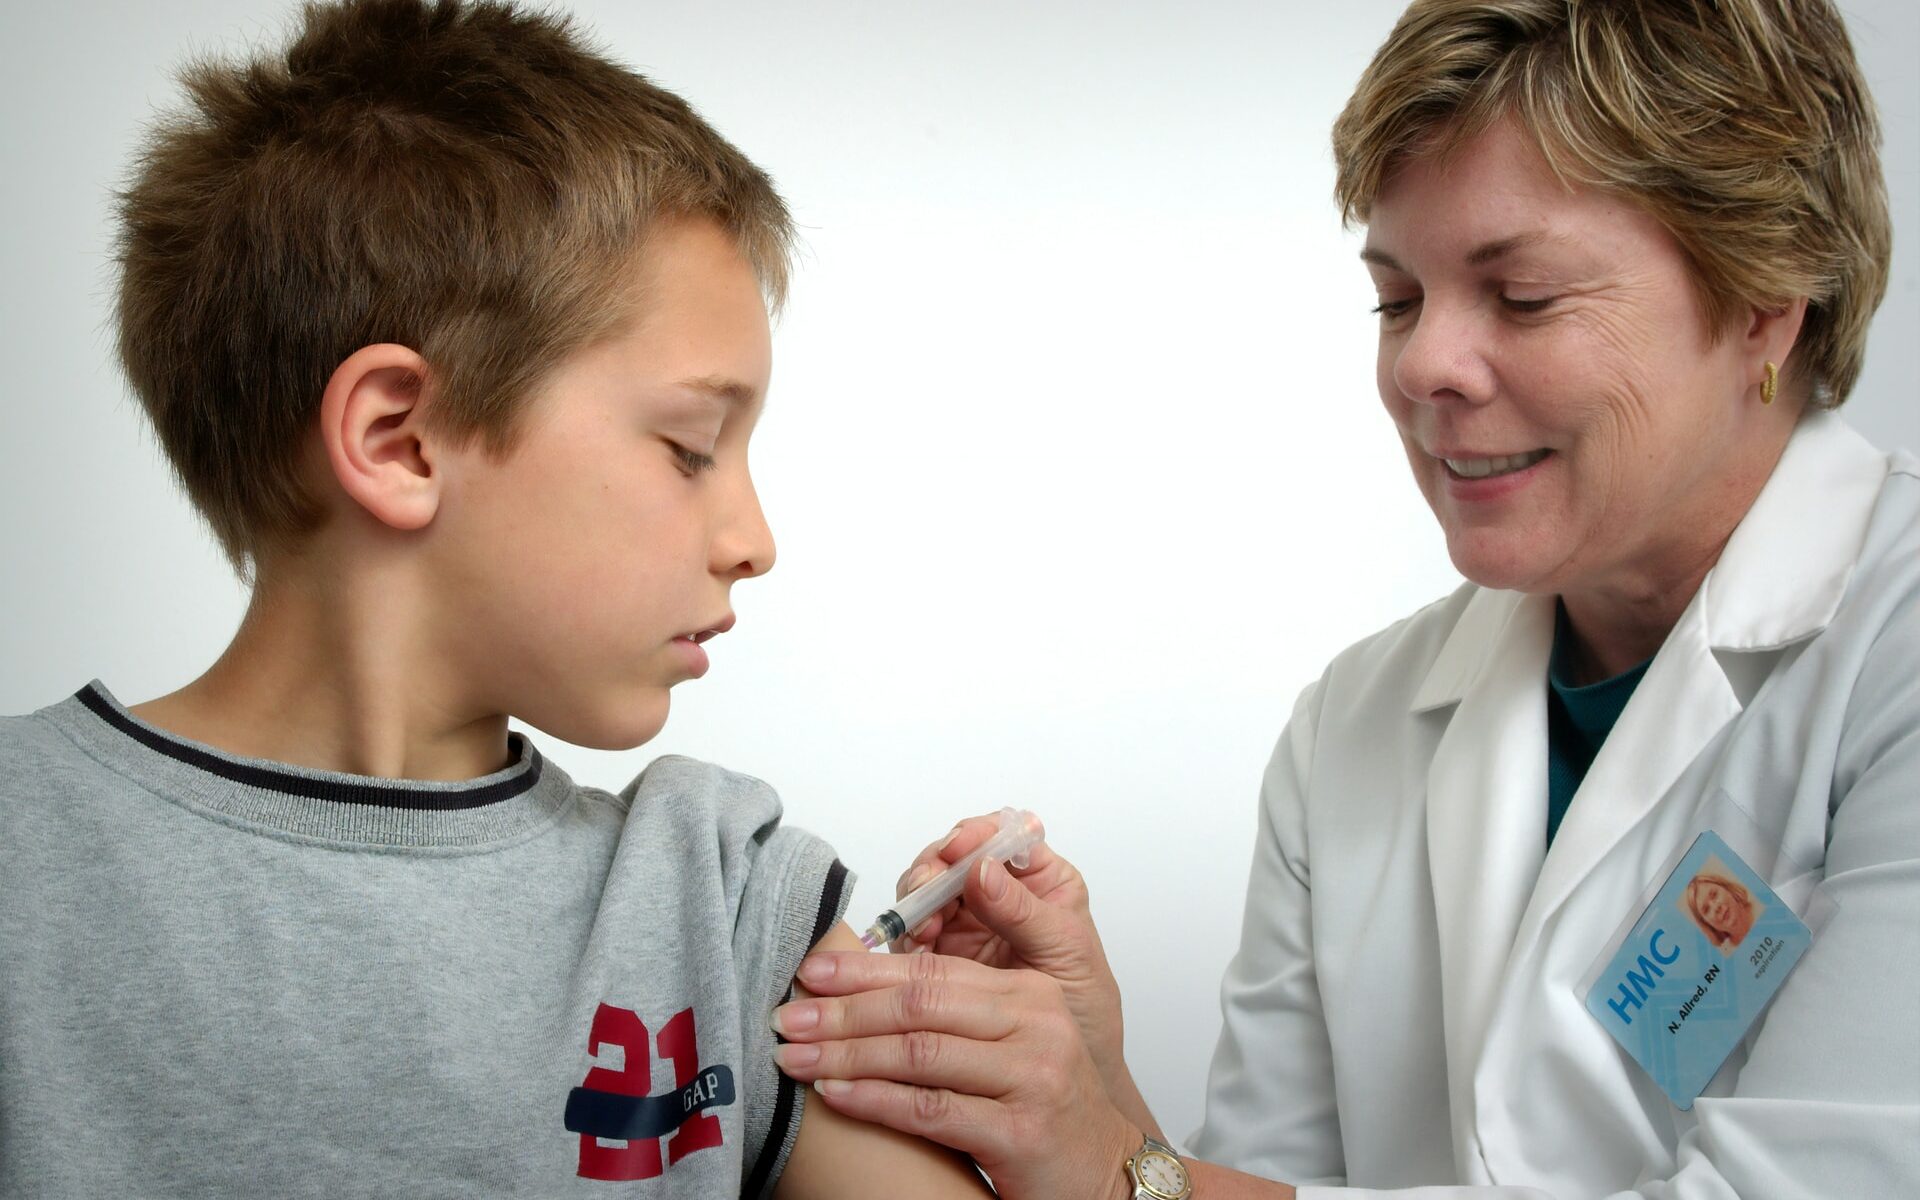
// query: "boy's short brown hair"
[[457, 176]]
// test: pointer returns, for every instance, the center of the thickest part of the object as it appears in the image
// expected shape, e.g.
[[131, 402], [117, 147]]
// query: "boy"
[[456, 333]]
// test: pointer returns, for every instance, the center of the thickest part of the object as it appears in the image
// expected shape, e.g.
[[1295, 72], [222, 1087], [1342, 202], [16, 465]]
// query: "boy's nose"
[[744, 547]]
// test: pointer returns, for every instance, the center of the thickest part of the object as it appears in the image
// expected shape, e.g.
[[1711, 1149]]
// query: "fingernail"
[[919, 875], [817, 969], [790, 1019], [795, 1055], [832, 1087], [948, 840], [993, 879]]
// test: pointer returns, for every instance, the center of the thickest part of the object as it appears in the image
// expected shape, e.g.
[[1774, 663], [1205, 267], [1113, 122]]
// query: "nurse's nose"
[[1439, 362]]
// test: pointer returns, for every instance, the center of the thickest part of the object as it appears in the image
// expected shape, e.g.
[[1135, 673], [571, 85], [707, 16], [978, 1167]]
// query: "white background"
[[1073, 453]]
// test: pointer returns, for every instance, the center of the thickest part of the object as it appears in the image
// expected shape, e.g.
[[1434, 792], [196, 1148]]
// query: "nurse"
[[1626, 255]]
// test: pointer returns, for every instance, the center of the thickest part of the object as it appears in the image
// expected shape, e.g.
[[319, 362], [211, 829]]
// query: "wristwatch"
[[1157, 1173]]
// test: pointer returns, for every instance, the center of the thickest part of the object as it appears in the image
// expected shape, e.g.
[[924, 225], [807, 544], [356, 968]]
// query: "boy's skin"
[[449, 589]]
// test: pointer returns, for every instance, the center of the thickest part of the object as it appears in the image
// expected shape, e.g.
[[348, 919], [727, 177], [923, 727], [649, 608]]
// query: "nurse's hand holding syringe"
[[1038, 921], [1015, 834]]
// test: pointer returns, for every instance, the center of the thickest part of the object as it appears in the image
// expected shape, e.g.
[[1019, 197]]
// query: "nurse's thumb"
[[1050, 938]]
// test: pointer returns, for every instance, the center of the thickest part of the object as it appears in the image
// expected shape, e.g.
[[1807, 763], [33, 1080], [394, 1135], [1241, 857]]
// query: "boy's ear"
[[373, 424]]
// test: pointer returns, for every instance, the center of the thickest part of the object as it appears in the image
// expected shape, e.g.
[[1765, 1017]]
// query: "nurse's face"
[[1568, 417]]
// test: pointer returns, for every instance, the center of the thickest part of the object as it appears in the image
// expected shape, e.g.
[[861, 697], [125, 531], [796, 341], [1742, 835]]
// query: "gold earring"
[[1770, 384]]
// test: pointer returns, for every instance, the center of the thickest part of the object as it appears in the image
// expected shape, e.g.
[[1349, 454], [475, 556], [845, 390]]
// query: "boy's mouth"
[[712, 631]]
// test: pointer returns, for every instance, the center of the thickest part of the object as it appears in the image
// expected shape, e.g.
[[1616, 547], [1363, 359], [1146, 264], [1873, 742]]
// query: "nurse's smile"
[[1475, 478]]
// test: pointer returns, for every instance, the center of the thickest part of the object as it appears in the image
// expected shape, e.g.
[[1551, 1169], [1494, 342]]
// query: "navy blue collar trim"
[[398, 794]]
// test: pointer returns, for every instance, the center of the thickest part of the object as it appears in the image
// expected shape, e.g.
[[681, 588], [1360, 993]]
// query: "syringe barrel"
[[1018, 831]]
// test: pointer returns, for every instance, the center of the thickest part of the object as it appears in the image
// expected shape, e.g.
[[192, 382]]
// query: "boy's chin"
[[604, 722]]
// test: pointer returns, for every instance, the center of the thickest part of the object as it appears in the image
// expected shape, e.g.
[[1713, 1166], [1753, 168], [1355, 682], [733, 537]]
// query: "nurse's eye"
[[1387, 310], [692, 461], [1516, 304]]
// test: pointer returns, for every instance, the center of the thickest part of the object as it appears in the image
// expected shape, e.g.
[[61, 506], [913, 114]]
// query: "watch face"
[[1163, 1174]]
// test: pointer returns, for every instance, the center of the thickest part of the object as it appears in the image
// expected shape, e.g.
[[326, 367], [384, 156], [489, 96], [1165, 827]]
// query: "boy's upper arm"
[[835, 1157]]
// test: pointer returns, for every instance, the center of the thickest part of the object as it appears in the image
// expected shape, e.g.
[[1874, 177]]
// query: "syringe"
[[1019, 830]]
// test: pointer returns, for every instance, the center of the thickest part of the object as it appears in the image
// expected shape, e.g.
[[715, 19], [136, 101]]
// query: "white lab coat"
[[1404, 1006]]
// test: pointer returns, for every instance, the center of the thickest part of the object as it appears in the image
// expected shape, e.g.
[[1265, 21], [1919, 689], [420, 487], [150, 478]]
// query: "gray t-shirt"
[[227, 977]]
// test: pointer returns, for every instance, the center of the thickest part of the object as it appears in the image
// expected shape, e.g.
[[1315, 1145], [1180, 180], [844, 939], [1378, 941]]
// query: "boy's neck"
[[338, 675]]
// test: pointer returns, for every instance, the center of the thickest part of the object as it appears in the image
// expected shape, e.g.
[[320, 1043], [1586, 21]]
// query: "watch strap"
[[1151, 1144]]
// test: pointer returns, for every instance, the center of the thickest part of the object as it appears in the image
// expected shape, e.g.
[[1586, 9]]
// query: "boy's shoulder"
[[709, 819], [39, 748], [694, 786], [85, 772]]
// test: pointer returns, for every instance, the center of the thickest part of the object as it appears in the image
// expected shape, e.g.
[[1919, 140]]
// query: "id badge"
[[1696, 969]]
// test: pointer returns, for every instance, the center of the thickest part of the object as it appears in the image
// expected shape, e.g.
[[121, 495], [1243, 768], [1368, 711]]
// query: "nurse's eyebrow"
[[1476, 257], [732, 391], [1481, 255]]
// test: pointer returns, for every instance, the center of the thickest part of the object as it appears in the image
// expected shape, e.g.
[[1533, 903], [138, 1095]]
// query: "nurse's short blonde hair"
[[1743, 126]]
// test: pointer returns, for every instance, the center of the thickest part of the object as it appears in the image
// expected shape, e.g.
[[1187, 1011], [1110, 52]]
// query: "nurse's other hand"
[[986, 1061], [1034, 917]]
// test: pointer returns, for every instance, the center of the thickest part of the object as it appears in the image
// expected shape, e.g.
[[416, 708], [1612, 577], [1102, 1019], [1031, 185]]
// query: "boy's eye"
[[1389, 309], [692, 461]]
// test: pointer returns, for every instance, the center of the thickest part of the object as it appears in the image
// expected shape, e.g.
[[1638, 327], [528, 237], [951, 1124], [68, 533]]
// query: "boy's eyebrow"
[[1378, 257], [735, 393]]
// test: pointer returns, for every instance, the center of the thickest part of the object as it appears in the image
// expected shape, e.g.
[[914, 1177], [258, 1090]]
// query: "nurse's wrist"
[[1125, 1095], [1211, 1181], [1119, 1182]]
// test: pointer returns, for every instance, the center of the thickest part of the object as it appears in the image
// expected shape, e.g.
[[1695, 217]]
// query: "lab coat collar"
[[1779, 580], [1787, 565], [1468, 650]]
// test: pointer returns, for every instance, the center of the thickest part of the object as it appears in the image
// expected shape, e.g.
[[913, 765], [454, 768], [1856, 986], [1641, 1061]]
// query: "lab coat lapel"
[[1683, 700], [1486, 806], [1779, 580]]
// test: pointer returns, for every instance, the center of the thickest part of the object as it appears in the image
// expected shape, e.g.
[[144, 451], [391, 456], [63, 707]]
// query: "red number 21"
[[640, 1158]]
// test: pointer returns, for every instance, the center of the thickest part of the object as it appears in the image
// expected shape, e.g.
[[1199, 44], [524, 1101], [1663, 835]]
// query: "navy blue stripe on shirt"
[[784, 1100], [637, 1118], [829, 901], [346, 792]]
